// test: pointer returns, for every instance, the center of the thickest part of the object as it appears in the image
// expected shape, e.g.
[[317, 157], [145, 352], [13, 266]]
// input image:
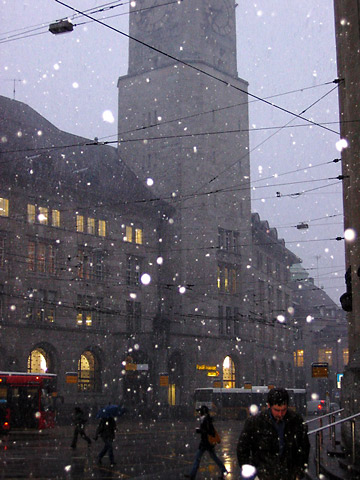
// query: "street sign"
[[320, 370], [339, 377], [71, 377]]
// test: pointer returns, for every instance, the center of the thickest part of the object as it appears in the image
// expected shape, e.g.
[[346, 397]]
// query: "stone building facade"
[[77, 232]]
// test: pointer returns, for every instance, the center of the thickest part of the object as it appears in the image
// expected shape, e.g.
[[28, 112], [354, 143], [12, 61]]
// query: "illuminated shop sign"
[[206, 367]]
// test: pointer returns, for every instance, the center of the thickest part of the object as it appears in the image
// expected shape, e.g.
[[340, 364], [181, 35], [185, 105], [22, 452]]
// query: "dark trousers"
[[108, 447], [198, 456], [79, 430]]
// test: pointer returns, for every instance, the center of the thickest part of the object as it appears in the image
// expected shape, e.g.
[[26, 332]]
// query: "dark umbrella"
[[111, 411]]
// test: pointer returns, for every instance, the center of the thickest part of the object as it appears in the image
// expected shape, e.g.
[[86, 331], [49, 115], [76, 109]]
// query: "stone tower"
[[183, 123]]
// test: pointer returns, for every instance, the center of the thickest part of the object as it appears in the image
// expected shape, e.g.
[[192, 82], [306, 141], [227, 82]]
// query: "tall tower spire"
[[205, 34]]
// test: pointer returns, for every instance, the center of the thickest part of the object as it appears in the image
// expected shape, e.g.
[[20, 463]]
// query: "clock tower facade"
[[183, 127]]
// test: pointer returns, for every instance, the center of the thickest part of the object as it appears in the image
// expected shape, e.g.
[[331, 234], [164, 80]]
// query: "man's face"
[[278, 411]]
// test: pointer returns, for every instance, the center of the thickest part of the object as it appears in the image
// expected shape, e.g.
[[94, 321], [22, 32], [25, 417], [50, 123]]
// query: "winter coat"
[[78, 418], [258, 445], [206, 428], [106, 429]]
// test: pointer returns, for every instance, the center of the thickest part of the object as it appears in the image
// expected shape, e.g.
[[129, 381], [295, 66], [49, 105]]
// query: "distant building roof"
[[32, 149]]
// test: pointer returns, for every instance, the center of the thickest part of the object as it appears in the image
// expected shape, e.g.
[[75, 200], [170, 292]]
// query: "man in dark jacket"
[[79, 421], [275, 441], [206, 428], [106, 430]]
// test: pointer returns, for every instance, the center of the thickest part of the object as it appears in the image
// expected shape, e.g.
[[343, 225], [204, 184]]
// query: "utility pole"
[[317, 269], [14, 89]]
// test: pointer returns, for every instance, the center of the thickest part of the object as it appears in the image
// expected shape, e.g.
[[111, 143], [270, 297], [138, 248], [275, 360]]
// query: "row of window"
[[52, 217], [325, 355], [229, 320], [267, 265], [90, 311], [228, 240], [228, 279]]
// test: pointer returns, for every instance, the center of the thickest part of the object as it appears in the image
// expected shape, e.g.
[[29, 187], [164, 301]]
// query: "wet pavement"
[[155, 450]]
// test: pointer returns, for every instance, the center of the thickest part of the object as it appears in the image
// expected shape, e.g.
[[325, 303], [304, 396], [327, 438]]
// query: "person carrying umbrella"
[[106, 430]]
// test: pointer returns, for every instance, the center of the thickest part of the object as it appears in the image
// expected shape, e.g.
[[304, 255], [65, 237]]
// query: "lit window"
[[129, 233], [31, 213], [43, 215], [55, 217], [88, 319], [79, 223], [226, 279], [299, 358], [102, 228], [218, 278], [346, 356], [4, 207], [325, 355], [138, 236], [79, 320], [91, 226], [228, 373], [172, 394]]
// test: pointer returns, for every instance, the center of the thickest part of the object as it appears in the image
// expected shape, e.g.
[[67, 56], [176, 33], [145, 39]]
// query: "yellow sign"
[[130, 367], [206, 367], [213, 374], [71, 378]]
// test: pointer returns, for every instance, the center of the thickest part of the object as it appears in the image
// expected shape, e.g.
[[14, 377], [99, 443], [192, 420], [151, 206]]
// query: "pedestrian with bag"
[[106, 430], [209, 438], [79, 421]]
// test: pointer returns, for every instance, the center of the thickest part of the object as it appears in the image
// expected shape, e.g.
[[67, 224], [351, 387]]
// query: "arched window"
[[38, 361], [87, 372], [228, 373]]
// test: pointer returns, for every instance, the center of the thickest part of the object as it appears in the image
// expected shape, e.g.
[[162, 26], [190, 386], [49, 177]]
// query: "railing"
[[331, 417], [332, 425]]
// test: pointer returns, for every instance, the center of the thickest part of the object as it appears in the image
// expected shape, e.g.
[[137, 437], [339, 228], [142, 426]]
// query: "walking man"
[[79, 421], [206, 428], [275, 441], [106, 430]]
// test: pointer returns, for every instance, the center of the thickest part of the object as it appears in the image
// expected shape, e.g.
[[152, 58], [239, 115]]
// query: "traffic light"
[[346, 298]]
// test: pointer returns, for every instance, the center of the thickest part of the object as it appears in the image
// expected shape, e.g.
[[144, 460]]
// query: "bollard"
[[321, 433], [333, 432], [317, 454], [353, 441]]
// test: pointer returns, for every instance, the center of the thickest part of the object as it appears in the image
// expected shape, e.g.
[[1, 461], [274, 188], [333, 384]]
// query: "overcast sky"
[[283, 46]]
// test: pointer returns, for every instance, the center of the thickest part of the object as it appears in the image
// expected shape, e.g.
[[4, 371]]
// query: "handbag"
[[214, 439]]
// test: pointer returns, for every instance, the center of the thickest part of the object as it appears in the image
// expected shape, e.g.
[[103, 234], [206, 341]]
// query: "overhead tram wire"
[[98, 142], [197, 69], [264, 141]]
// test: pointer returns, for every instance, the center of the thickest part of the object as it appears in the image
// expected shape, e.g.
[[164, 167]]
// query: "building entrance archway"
[[88, 372], [228, 373], [40, 361]]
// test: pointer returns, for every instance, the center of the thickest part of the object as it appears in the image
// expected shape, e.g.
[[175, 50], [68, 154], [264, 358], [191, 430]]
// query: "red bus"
[[27, 400]]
